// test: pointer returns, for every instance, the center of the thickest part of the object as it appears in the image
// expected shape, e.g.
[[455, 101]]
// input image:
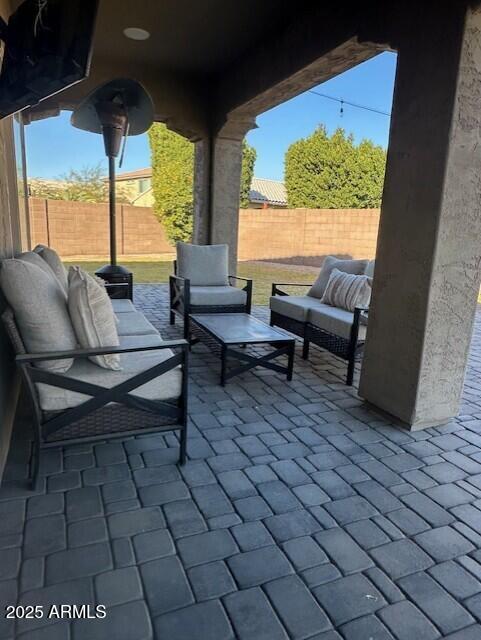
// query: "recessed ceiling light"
[[135, 33]]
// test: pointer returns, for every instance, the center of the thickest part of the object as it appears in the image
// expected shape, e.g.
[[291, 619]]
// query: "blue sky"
[[54, 146]]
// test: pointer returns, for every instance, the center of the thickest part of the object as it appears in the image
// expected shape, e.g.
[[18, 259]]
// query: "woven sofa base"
[[331, 342], [289, 324], [109, 421]]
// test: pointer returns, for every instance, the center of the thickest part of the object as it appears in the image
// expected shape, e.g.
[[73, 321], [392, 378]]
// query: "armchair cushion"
[[335, 320], [51, 257], [356, 267], [40, 309], [92, 316], [203, 265], [222, 296], [165, 387], [294, 307]]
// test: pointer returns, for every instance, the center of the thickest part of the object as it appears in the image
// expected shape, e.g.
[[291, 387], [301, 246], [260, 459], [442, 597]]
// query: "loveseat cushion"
[[40, 309], [224, 296], [203, 265], [357, 267], [122, 305], [92, 316], [294, 307], [165, 387], [34, 258], [51, 257], [133, 323], [369, 271], [335, 320]]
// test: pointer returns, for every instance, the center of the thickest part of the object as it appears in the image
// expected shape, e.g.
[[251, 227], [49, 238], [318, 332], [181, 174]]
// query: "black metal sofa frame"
[[348, 349], [180, 305], [108, 412]]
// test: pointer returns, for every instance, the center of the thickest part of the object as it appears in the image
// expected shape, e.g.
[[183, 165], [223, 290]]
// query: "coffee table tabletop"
[[239, 328]]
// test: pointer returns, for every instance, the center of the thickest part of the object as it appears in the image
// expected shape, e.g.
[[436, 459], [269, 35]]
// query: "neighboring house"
[[263, 194]]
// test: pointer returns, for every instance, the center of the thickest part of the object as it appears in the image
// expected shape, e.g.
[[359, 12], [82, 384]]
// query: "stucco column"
[[429, 248], [217, 174]]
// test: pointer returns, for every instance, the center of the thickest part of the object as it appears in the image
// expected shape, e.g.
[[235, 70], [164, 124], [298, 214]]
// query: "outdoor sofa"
[[73, 398], [341, 332], [201, 284]]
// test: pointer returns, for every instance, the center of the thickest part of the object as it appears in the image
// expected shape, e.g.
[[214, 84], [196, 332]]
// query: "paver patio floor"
[[300, 514]]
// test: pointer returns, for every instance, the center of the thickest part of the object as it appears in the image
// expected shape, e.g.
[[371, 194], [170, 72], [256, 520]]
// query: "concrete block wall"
[[298, 236]]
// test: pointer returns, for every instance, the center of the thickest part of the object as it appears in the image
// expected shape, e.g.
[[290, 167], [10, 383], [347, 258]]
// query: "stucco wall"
[[9, 243]]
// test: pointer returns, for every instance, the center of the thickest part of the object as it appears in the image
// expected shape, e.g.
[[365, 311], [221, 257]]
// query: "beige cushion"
[[295, 307], [40, 309], [133, 323], [34, 258], [217, 296], [92, 316], [51, 257], [203, 265], [357, 267], [335, 320], [122, 305], [165, 387], [347, 291]]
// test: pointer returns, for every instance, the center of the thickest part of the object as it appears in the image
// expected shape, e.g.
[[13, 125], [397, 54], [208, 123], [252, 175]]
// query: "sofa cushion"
[[40, 309], [133, 323], [122, 305], [203, 265], [92, 316], [369, 271], [51, 257], [295, 307], [217, 296], [165, 387], [356, 267], [335, 320], [347, 291]]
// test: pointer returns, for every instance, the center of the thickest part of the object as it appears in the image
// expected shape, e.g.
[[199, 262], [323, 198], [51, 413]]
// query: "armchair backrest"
[[203, 265]]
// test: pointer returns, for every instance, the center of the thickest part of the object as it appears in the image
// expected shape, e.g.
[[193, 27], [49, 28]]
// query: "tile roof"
[[268, 191]]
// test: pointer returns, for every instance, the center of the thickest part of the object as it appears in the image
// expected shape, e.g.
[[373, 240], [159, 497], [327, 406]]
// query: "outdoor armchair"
[[201, 284]]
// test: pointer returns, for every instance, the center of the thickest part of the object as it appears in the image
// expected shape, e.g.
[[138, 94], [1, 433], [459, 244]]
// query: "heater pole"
[[113, 228]]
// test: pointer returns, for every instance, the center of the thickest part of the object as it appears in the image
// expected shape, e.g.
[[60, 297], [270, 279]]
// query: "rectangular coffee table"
[[229, 333]]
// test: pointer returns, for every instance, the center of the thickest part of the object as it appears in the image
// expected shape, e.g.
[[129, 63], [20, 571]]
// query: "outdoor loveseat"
[[201, 284], [78, 394], [341, 332]]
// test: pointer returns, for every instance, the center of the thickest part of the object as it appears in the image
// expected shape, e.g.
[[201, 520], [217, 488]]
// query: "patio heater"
[[117, 109]]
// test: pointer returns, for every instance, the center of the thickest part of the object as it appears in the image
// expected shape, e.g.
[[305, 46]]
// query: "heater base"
[[119, 281]]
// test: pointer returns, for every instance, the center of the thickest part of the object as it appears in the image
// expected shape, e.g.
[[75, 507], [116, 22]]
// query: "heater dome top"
[[120, 97]]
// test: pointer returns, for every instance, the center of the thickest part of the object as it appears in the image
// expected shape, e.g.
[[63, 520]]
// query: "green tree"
[[172, 158], [332, 172]]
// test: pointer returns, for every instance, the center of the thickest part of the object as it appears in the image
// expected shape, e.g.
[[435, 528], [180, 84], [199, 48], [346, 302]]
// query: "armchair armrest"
[[277, 291], [25, 358], [247, 289]]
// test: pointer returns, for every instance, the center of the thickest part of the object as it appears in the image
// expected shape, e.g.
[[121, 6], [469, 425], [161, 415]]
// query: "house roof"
[[138, 174], [264, 191]]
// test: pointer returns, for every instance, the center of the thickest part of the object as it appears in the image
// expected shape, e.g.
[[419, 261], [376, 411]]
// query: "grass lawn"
[[263, 274]]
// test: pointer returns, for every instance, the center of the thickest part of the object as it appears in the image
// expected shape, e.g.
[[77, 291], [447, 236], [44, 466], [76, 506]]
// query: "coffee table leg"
[[290, 361], [223, 364]]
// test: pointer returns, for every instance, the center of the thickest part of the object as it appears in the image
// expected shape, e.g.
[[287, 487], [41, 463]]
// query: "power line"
[[342, 102]]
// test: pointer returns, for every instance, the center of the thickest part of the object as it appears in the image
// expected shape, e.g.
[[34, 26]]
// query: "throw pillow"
[[92, 316], [52, 258], [347, 291], [203, 265], [357, 267], [40, 310]]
